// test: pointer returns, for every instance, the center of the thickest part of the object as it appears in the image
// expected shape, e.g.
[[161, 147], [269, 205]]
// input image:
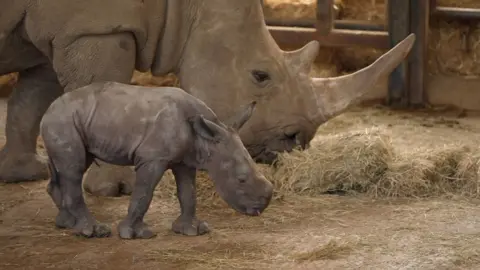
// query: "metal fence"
[[407, 82]]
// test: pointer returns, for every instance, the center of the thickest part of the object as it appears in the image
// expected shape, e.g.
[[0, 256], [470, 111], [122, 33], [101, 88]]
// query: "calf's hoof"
[[109, 180], [139, 230], [190, 227], [98, 230], [64, 220], [21, 168]]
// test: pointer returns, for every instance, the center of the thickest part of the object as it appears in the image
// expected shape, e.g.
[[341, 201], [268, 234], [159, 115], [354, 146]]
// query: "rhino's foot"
[[138, 230], [65, 220], [189, 226], [109, 180], [21, 167], [92, 229]]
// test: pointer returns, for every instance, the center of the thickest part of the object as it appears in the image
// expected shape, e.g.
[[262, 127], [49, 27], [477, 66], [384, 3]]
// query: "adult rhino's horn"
[[336, 94], [301, 60]]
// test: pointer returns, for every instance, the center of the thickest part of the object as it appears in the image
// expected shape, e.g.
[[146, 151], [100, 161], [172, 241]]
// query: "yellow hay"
[[366, 162], [349, 161]]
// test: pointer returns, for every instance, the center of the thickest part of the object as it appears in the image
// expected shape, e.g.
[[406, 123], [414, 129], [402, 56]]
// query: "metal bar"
[[359, 25], [398, 28], [298, 36], [457, 13], [337, 24], [346, 38], [417, 64], [325, 17]]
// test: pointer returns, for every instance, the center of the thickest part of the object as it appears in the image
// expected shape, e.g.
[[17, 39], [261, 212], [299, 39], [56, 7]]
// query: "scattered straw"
[[333, 250]]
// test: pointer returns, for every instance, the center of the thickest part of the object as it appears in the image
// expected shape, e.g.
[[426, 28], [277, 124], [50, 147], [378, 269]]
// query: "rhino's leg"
[[37, 87], [187, 223], [99, 58], [148, 176], [67, 188], [64, 219]]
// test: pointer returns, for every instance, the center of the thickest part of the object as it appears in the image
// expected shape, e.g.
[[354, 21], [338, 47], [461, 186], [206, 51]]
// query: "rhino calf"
[[153, 129]]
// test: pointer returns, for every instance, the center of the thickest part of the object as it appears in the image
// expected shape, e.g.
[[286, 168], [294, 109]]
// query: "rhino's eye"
[[260, 76]]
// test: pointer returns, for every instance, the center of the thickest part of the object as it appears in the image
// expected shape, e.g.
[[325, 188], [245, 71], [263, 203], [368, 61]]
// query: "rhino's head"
[[230, 165], [230, 58]]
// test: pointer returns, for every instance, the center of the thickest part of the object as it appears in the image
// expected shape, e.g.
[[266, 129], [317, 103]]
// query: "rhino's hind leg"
[[65, 188], [64, 219], [37, 87], [187, 223], [147, 177], [70, 180], [73, 202]]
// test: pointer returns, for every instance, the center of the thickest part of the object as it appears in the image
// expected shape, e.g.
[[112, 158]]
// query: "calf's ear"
[[205, 128], [240, 118]]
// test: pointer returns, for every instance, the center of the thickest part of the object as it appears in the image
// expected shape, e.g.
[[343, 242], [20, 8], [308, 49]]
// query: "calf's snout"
[[263, 201]]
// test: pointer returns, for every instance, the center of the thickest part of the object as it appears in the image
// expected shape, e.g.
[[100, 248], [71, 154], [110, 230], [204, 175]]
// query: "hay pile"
[[366, 162], [345, 162], [361, 161]]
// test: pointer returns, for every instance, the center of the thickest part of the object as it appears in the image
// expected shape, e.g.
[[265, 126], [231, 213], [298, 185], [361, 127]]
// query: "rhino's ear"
[[205, 128], [240, 118]]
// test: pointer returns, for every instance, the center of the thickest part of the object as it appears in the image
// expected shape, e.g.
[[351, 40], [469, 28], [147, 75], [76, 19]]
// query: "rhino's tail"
[[53, 171], [53, 187]]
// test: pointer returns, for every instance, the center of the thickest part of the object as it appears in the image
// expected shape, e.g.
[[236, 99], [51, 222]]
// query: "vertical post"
[[398, 29], [325, 17], [417, 64]]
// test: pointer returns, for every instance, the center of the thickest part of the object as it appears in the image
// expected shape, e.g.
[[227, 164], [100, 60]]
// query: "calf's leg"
[[99, 58], [148, 176], [187, 223], [64, 218], [66, 191], [35, 90], [68, 160]]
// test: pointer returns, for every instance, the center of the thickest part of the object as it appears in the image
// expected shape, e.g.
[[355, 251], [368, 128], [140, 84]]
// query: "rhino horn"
[[301, 60], [241, 117], [334, 95]]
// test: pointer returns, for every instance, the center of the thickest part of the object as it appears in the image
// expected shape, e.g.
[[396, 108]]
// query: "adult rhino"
[[221, 51]]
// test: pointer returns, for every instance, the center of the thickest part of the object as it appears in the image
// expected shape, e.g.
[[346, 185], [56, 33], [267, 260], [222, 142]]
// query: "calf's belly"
[[115, 159]]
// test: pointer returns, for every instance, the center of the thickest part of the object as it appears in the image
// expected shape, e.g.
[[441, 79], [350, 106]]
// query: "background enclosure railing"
[[407, 82]]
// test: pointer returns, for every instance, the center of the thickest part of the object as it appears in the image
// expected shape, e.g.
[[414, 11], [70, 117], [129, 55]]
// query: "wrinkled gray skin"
[[221, 50], [153, 130]]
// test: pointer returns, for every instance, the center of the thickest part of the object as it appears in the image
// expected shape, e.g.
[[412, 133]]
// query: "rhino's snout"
[[263, 201]]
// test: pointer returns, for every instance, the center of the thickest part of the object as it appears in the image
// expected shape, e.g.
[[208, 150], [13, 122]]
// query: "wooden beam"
[[296, 37], [324, 23], [398, 29], [419, 24]]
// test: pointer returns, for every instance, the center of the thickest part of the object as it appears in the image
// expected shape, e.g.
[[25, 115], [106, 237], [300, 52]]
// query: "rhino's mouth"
[[267, 152], [249, 211], [266, 157]]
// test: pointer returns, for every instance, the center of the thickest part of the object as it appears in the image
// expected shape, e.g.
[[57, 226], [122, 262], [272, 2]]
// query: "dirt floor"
[[296, 232]]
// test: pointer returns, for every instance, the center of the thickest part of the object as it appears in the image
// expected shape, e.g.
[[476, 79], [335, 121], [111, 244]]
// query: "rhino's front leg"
[[187, 223], [36, 89], [99, 58], [147, 177]]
